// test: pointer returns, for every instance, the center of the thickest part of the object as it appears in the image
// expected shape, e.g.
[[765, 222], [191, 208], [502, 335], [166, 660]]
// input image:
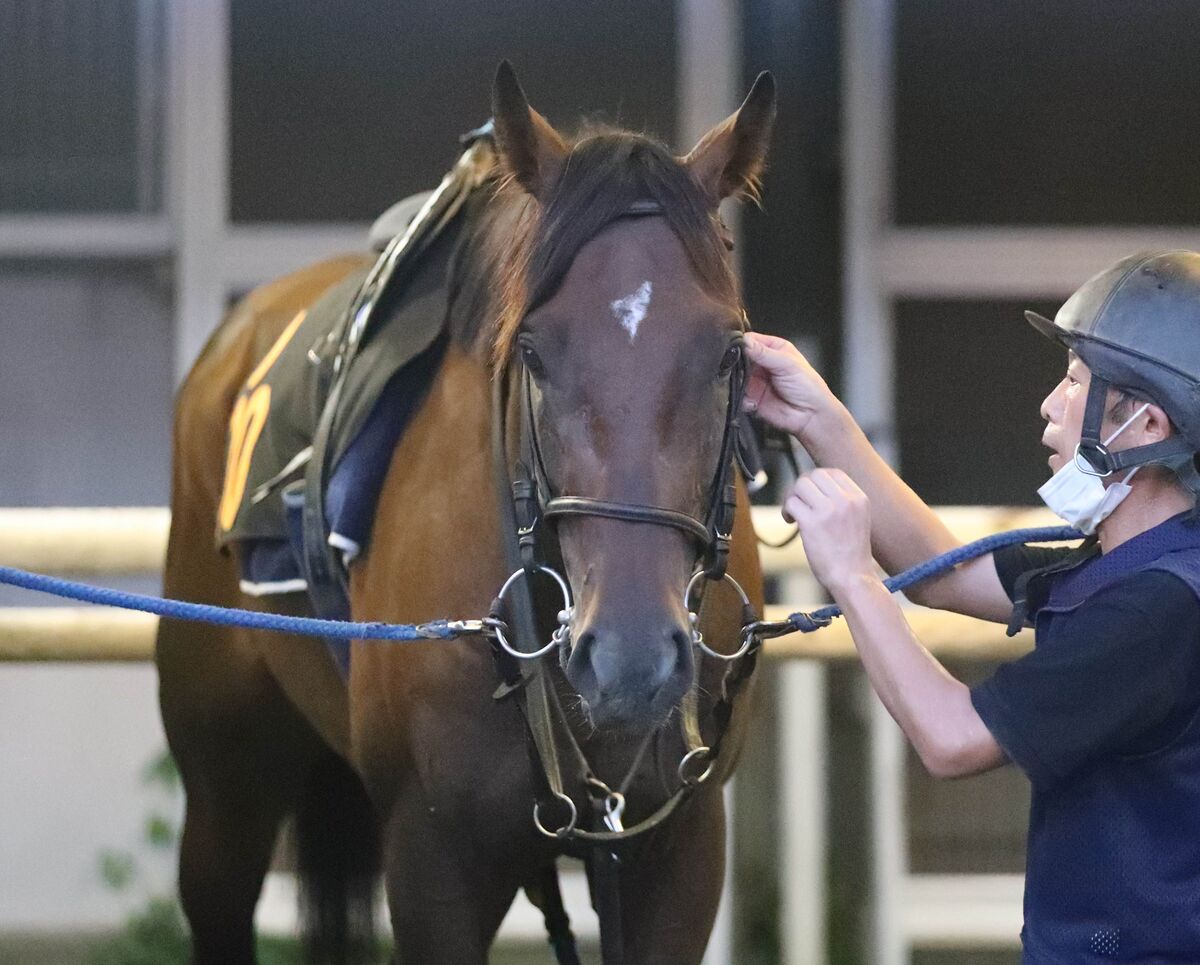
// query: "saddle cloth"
[[274, 420]]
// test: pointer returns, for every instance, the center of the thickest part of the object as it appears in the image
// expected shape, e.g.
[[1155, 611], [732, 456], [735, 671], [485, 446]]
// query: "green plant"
[[155, 933]]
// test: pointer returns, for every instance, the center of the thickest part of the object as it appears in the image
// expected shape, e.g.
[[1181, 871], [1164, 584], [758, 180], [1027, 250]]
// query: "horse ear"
[[729, 158], [529, 145]]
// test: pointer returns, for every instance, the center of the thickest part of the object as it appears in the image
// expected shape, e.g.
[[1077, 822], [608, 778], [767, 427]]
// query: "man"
[[1104, 714]]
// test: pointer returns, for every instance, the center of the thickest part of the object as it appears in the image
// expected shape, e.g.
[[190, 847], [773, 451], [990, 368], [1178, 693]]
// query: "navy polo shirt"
[[1104, 718]]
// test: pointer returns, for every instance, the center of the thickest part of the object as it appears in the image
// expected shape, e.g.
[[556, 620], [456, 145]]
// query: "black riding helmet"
[[1137, 326]]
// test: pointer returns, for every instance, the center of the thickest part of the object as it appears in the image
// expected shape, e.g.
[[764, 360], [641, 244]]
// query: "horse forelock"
[[529, 248]]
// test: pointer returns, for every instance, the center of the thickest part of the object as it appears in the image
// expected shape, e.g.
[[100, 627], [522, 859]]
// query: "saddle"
[[314, 428]]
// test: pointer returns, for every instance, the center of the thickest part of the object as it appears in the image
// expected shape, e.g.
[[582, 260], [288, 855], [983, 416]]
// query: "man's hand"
[[783, 388], [834, 518]]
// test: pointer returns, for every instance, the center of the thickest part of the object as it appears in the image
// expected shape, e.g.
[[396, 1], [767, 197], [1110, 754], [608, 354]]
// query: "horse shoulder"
[[435, 551], [436, 521]]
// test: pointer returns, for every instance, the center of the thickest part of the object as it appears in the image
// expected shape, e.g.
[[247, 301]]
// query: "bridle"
[[526, 499], [535, 498], [529, 506]]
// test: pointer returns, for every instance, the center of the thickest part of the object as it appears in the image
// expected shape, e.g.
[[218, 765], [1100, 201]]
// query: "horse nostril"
[[668, 656], [640, 666], [676, 658], [583, 644], [577, 664]]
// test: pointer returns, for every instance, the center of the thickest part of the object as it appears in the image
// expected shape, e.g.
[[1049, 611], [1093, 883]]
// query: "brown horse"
[[628, 327]]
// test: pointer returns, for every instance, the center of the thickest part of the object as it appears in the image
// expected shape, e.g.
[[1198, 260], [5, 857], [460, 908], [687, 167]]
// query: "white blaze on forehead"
[[631, 309]]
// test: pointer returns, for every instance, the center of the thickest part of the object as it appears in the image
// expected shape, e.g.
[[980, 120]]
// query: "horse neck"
[[482, 266]]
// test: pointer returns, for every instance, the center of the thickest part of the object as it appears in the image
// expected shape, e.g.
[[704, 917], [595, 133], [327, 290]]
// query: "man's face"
[[1063, 411]]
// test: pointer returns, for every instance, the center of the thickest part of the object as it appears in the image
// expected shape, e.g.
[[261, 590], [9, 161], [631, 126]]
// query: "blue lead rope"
[[807, 622], [449, 629], [232, 617]]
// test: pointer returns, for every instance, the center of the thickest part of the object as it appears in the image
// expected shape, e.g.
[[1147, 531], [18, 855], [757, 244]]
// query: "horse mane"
[[517, 251]]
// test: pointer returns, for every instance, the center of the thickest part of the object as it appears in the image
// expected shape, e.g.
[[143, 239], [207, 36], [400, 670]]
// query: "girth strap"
[[605, 868]]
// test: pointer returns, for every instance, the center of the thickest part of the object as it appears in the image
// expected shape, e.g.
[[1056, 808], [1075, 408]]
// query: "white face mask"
[[1077, 495]]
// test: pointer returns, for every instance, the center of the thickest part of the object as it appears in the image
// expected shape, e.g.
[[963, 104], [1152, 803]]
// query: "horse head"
[[626, 314]]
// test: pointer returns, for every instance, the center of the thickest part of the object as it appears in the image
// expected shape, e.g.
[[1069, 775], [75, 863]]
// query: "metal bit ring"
[[555, 640], [697, 636], [567, 828], [704, 753]]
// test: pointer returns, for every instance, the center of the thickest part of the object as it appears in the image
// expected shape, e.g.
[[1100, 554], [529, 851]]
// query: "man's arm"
[[904, 530], [932, 708], [786, 391], [1115, 675]]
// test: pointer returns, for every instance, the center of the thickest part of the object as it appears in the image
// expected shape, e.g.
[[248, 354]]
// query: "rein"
[[799, 622], [534, 500]]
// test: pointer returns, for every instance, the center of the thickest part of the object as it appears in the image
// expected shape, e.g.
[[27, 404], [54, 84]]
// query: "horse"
[[599, 265]]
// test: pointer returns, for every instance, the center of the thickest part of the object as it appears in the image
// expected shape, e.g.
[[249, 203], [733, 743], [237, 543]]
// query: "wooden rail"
[[134, 539], [105, 635], [84, 541], [108, 541]]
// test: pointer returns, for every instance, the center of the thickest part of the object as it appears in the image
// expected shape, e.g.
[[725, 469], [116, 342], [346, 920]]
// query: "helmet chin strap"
[[1169, 452]]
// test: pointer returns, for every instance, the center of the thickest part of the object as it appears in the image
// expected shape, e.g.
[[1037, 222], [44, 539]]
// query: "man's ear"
[[530, 147], [729, 158], [1158, 424]]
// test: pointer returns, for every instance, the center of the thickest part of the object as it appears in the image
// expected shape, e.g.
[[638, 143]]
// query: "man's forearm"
[[932, 708], [904, 531]]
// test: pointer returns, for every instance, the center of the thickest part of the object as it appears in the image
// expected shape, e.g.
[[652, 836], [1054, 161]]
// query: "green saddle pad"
[[274, 419]]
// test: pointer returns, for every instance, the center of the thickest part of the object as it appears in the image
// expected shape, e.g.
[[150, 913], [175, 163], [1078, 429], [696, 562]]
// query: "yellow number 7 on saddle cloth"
[[246, 425]]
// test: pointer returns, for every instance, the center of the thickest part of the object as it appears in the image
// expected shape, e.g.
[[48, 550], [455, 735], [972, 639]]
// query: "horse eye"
[[732, 356], [531, 360]]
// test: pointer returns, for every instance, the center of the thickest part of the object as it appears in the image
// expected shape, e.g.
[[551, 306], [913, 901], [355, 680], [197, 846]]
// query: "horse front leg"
[[244, 754], [671, 886], [447, 896]]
